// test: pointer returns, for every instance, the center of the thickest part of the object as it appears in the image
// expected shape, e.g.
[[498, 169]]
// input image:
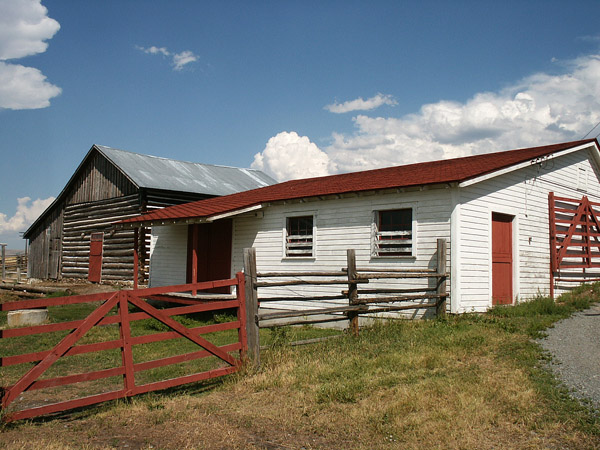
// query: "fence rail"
[[13, 267], [385, 297], [122, 308]]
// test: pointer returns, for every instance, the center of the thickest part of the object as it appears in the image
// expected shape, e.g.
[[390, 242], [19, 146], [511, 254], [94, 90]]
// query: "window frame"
[[375, 253], [297, 215]]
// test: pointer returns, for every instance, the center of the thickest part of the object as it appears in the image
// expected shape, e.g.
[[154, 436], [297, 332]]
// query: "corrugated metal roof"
[[420, 174], [162, 173]]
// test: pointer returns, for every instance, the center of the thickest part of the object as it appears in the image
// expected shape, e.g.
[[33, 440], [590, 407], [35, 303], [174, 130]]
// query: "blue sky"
[[293, 88]]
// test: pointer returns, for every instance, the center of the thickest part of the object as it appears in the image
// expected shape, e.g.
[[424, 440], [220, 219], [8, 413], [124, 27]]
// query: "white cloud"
[[361, 105], [290, 156], [24, 28], [27, 212], [155, 50], [183, 58], [24, 87], [537, 110], [540, 109], [178, 60]]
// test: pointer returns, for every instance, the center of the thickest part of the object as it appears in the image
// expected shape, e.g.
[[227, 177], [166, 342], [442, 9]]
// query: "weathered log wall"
[[81, 220], [45, 247]]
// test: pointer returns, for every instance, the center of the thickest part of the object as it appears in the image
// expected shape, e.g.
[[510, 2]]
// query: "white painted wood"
[[168, 255], [524, 194], [462, 215]]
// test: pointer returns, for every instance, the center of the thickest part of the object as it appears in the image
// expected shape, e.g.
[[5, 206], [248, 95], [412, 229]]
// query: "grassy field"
[[464, 382]]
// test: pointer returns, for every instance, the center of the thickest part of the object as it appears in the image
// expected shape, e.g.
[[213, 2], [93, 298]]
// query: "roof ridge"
[[173, 159], [444, 171]]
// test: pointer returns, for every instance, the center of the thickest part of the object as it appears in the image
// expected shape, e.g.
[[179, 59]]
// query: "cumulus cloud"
[[24, 28], [537, 110], [27, 212], [178, 60], [289, 156], [361, 105], [24, 87]]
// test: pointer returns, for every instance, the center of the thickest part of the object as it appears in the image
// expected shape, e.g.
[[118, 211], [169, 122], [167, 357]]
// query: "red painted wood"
[[147, 365], [502, 269], [184, 380], [109, 345], [159, 315], [209, 252], [126, 351], [63, 406], [77, 378], [55, 301], [59, 350], [201, 286], [67, 347], [95, 261]]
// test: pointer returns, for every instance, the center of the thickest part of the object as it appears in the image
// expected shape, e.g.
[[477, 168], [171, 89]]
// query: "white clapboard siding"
[[341, 224], [168, 255], [523, 193]]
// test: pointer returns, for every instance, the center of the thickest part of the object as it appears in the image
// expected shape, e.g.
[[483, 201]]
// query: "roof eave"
[[487, 176]]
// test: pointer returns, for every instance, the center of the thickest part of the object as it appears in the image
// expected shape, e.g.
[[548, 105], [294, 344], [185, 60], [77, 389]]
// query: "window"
[[393, 233], [299, 236]]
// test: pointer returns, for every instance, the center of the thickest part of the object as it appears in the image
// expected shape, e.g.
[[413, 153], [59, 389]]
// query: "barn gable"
[[110, 185]]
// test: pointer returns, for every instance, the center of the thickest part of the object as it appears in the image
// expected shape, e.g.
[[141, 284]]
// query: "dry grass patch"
[[466, 382]]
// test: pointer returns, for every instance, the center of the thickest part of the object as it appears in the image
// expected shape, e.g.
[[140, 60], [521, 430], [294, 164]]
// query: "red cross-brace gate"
[[574, 238], [120, 302]]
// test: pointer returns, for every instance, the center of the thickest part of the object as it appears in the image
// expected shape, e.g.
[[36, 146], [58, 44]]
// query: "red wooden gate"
[[574, 239], [115, 309]]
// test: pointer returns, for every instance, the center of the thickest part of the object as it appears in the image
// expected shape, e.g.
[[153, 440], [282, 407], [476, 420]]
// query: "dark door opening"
[[212, 245]]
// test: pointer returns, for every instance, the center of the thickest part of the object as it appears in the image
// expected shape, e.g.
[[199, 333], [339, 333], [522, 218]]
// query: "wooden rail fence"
[[113, 308], [13, 267], [354, 299]]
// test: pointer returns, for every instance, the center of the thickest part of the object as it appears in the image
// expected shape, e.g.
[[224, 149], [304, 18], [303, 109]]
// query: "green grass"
[[468, 381], [141, 353]]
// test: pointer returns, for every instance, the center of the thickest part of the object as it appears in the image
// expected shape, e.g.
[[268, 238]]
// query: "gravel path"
[[575, 346]]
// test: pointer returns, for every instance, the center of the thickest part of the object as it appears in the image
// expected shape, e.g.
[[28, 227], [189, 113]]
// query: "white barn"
[[492, 209]]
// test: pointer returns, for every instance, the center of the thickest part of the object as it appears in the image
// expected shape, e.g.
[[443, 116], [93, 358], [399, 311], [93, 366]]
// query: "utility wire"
[[586, 135]]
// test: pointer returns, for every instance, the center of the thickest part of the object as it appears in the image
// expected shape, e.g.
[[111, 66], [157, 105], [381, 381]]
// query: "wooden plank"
[[352, 290], [305, 282], [176, 326], [340, 273], [441, 268], [59, 350], [252, 322]]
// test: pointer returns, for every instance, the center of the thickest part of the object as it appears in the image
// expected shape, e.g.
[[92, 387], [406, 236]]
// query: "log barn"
[[74, 238], [494, 210]]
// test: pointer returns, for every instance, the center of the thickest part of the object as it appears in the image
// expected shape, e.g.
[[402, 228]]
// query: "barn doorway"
[[502, 259], [95, 262], [209, 244]]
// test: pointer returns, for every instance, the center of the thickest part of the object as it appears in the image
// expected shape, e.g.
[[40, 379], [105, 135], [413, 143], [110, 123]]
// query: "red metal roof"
[[420, 174]]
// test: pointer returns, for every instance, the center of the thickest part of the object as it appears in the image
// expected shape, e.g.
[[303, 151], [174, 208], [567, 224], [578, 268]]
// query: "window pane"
[[299, 241], [394, 233]]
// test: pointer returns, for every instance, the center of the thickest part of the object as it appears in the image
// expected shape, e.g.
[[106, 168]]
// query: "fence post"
[[251, 307], [440, 309], [3, 261], [352, 290], [19, 263]]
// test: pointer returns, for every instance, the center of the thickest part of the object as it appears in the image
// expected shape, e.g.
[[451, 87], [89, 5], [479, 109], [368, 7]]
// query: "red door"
[[95, 264], [502, 250], [213, 252]]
